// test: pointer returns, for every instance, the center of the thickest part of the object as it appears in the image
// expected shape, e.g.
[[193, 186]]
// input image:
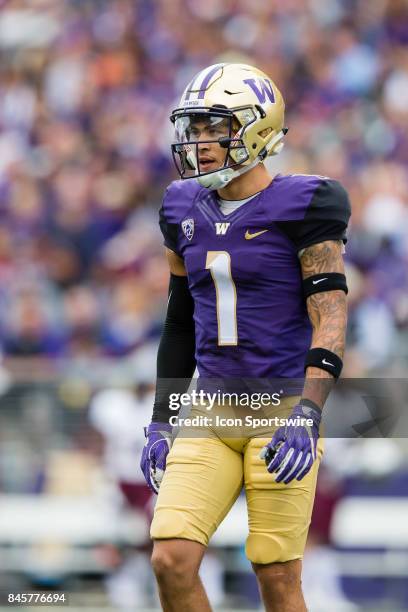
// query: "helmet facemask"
[[224, 127]]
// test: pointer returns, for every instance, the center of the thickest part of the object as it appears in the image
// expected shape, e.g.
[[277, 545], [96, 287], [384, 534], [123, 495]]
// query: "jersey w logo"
[[221, 228]]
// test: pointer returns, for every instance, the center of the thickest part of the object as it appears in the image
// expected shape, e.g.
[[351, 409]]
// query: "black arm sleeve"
[[326, 218], [175, 357], [169, 231]]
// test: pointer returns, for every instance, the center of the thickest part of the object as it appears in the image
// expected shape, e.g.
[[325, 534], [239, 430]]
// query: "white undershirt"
[[228, 206]]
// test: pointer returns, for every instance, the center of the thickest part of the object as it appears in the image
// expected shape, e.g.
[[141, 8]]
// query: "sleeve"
[[169, 231], [176, 354], [326, 217], [169, 228]]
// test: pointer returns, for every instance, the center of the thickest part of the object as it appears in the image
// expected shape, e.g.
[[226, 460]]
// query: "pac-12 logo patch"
[[188, 228]]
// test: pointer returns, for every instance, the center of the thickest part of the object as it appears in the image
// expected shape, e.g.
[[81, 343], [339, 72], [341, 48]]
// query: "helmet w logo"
[[221, 228], [262, 88]]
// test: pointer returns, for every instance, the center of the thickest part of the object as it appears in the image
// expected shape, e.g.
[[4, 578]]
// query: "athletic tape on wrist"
[[310, 404]]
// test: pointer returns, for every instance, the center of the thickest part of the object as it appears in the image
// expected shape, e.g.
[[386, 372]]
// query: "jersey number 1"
[[219, 264]]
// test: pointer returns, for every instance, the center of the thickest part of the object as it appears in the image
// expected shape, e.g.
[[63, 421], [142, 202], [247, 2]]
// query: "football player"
[[257, 289]]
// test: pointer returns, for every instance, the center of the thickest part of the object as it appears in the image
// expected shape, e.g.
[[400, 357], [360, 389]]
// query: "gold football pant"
[[204, 477]]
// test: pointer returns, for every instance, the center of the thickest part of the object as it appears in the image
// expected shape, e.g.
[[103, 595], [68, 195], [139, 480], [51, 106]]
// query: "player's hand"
[[154, 454], [292, 450]]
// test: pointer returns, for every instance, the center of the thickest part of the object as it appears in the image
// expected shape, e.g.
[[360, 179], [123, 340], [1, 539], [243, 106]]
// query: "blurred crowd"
[[86, 87]]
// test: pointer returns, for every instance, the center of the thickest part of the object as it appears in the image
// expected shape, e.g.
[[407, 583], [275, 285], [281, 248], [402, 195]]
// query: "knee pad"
[[270, 548], [167, 524]]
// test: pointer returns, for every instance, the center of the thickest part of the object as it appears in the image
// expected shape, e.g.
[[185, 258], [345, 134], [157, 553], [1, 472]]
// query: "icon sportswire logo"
[[249, 236]]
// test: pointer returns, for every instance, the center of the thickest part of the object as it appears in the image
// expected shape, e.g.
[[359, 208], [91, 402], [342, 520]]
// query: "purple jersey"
[[244, 273]]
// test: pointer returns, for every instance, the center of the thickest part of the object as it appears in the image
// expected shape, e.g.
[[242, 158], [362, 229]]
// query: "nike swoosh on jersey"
[[249, 236]]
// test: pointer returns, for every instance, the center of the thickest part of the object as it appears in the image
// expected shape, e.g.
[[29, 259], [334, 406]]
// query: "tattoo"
[[328, 316], [327, 310], [322, 257]]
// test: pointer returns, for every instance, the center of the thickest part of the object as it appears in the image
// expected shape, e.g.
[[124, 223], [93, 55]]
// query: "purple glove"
[[154, 454], [292, 450]]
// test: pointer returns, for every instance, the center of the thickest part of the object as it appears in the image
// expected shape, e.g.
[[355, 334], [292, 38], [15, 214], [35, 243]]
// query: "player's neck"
[[247, 184]]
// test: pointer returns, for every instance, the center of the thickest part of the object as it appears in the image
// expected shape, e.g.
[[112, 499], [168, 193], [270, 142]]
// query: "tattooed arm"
[[293, 448], [328, 315]]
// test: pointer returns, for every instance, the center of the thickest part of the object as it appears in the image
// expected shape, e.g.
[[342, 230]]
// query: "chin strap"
[[221, 178]]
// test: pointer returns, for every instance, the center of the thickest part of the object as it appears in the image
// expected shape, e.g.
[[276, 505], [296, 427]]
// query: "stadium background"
[[85, 92]]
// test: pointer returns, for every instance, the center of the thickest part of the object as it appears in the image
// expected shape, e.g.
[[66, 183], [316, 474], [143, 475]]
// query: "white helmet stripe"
[[188, 89], [207, 79], [191, 88], [196, 89]]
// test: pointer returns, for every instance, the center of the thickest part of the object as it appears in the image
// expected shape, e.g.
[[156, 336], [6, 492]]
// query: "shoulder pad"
[[299, 196], [288, 197], [178, 198], [330, 202], [324, 207]]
